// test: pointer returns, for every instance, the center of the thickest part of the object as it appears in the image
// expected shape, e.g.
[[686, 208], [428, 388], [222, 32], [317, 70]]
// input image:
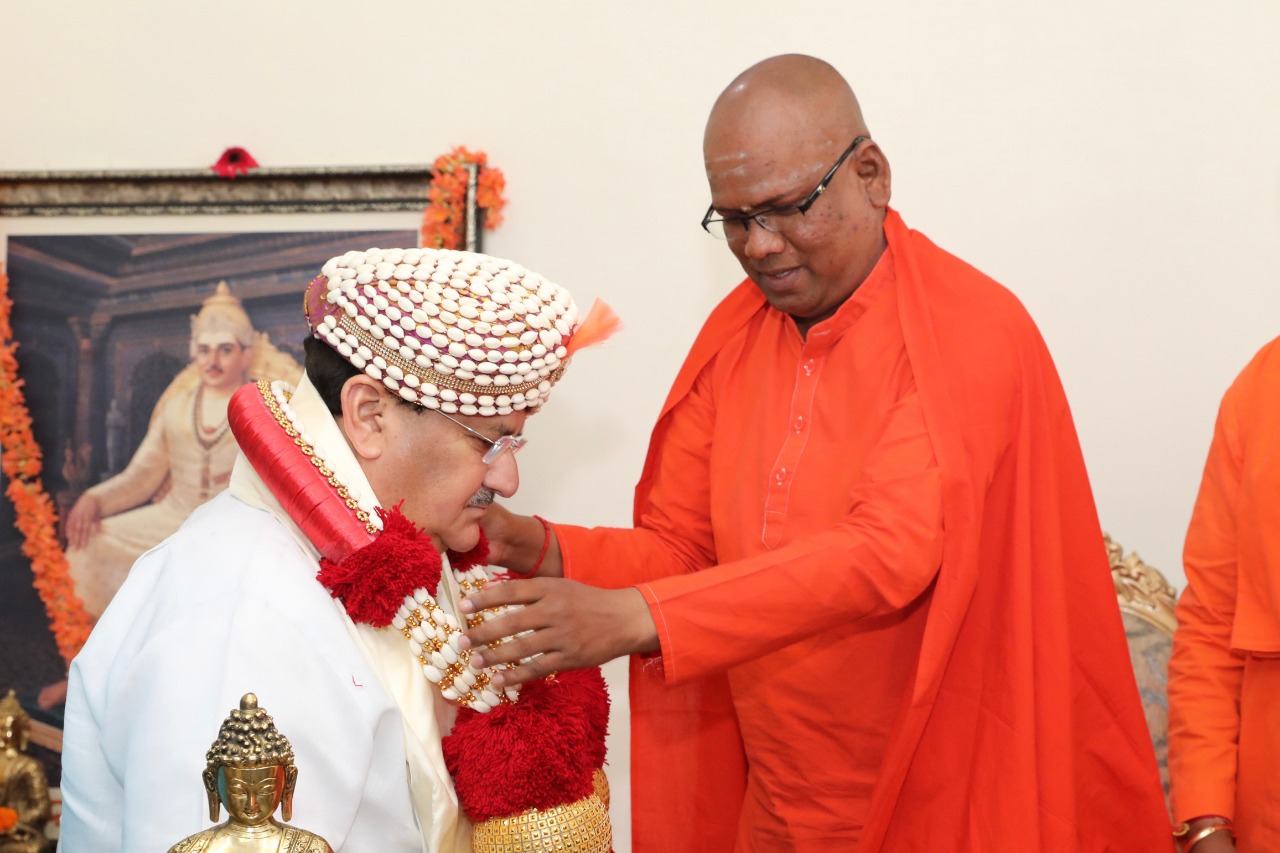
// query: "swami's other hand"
[[85, 518], [506, 536], [571, 626], [522, 543]]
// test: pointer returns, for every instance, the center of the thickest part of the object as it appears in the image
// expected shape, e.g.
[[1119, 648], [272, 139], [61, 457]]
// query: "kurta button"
[[781, 475], [798, 426], [807, 367]]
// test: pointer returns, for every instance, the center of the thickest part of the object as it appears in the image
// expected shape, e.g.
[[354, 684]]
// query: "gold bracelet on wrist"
[[1205, 833], [1182, 830]]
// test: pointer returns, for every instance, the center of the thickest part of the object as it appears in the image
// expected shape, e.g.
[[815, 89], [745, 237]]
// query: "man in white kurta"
[[231, 604]]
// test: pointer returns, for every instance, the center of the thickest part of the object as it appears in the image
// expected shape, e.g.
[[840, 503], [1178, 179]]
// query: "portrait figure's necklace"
[[217, 432]]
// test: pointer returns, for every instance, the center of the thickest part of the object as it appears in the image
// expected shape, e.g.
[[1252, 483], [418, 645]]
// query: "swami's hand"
[[572, 625], [85, 518], [521, 543]]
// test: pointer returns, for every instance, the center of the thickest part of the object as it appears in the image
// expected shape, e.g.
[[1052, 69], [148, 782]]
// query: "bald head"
[[798, 97]]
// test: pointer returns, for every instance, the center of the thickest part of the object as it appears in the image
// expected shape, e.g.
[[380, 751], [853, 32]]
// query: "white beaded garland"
[[433, 636]]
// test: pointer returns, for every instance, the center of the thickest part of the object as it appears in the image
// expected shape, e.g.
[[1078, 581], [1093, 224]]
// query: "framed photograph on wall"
[[135, 298]]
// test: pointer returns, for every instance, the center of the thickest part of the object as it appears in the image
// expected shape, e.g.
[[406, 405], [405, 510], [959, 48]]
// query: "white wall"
[[1114, 163]]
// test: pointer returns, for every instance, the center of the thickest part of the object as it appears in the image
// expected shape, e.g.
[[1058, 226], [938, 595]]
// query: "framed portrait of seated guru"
[[135, 302]]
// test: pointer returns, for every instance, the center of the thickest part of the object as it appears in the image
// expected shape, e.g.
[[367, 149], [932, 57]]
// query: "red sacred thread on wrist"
[[546, 543]]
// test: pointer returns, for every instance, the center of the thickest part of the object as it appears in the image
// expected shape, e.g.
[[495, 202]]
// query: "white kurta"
[[227, 606]]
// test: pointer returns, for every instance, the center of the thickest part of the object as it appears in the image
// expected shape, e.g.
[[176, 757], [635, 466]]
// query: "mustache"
[[482, 498]]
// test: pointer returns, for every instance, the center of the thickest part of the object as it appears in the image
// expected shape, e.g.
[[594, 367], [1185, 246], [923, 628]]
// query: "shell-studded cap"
[[462, 332]]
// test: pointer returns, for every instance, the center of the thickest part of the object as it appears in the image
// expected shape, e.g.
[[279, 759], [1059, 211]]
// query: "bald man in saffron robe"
[[866, 587], [1224, 676]]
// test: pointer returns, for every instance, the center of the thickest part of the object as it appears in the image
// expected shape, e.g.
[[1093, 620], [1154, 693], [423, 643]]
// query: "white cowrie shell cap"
[[358, 297]]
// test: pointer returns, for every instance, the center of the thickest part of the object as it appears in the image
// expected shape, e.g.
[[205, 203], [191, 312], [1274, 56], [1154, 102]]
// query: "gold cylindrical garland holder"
[[530, 775], [582, 827]]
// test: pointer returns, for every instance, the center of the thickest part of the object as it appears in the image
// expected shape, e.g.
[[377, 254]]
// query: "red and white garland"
[[538, 753], [385, 572], [506, 756]]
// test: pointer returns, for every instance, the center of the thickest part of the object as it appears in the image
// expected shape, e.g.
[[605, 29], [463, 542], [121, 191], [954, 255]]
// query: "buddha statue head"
[[249, 769], [15, 725]]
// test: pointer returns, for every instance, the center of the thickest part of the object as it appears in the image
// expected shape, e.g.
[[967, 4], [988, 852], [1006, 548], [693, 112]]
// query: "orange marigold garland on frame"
[[37, 519], [445, 217]]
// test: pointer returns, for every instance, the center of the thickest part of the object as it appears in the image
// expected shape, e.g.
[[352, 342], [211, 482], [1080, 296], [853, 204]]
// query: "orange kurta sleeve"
[[836, 505], [1204, 673], [889, 549], [1223, 676], [879, 559]]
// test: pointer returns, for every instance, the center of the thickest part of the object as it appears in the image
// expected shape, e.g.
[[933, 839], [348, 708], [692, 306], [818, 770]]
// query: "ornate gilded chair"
[[1146, 605]]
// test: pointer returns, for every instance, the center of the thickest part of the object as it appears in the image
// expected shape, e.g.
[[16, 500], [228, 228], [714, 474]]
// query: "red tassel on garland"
[[373, 581], [477, 556], [537, 753]]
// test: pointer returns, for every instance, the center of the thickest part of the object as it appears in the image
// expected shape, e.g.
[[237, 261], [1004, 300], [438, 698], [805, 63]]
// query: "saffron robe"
[[1014, 718], [1224, 675]]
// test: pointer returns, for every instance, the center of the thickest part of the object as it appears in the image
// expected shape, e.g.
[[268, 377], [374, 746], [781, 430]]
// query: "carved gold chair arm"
[[1141, 589]]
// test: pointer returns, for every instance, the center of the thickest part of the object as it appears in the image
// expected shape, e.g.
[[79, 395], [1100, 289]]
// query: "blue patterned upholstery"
[[1149, 649], [1147, 606]]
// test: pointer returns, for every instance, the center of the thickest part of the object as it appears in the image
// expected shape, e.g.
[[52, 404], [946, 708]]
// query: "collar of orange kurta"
[[733, 312]]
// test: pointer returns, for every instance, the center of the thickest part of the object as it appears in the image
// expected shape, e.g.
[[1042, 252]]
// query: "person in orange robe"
[[1224, 675], [866, 584]]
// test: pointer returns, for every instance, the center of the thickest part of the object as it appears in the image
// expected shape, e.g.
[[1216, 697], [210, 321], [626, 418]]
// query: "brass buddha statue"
[[23, 787], [249, 770]]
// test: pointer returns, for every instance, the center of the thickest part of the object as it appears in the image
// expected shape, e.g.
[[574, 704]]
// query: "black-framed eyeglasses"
[[775, 219], [496, 448]]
